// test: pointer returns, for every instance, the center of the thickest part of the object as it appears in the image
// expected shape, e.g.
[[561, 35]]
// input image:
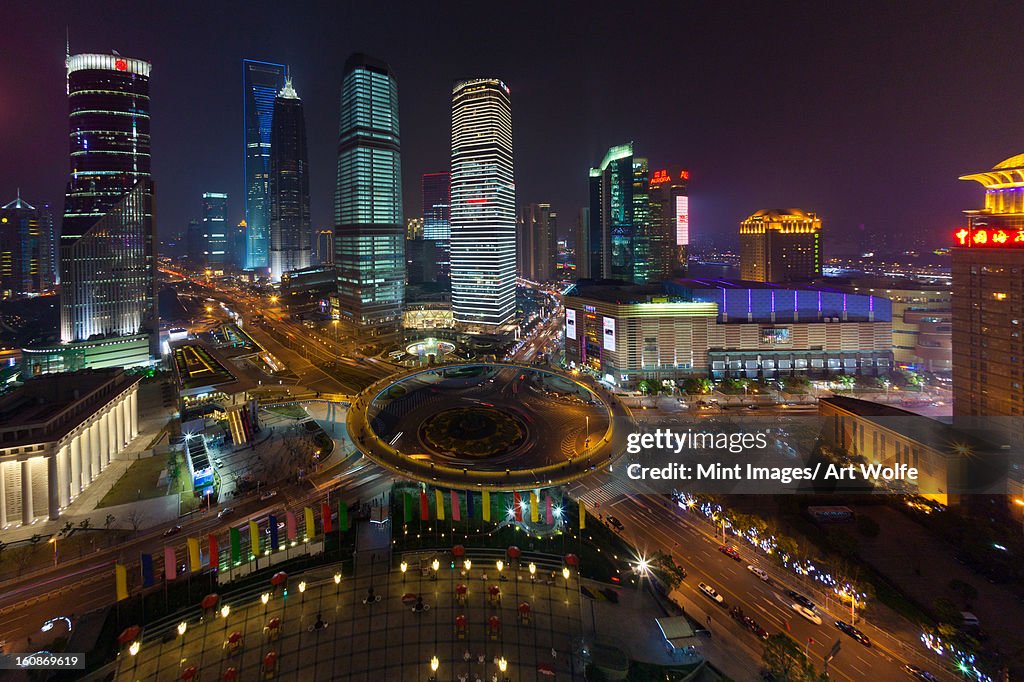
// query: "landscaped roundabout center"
[[491, 425]]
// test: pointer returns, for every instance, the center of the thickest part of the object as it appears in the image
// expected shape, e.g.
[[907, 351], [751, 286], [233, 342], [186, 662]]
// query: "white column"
[[133, 412], [52, 487], [3, 497], [104, 428], [87, 474], [94, 445], [27, 512], [119, 418], [64, 475], [76, 466], [112, 431]]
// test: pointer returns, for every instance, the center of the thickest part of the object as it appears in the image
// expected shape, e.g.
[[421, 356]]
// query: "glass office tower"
[[616, 242], [261, 81], [369, 235], [289, 186], [483, 211], [215, 230]]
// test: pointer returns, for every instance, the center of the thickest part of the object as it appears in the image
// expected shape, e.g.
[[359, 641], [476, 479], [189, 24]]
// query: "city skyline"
[[708, 132]]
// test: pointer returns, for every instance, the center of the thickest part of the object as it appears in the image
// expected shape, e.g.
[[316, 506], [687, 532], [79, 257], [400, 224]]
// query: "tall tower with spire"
[[289, 185]]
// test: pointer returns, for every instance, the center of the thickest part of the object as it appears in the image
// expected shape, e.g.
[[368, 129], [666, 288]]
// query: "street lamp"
[[468, 565], [133, 649], [435, 564], [502, 666], [533, 571], [501, 566], [405, 567], [53, 540], [224, 611], [434, 665], [182, 626], [265, 597], [302, 590]]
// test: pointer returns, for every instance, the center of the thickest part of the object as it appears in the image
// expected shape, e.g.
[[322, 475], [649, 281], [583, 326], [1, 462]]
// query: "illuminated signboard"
[[989, 237], [774, 335], [682, 220], [660, 177], [570, 323], [685, 175], [609, 334]]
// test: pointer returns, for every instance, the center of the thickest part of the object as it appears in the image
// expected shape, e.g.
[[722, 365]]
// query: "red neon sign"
[[985, 237], [476, 201], [121, 65], [659, 177], [685, 175]]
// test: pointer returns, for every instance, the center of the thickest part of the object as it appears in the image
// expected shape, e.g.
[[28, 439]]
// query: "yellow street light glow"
[[302, 586], [224, 611], [434, 664], [337, 578], [134, 648], [502, 664], [533, 568], [182, 626], [404, 566], [265, 597], [468, 564], [500, 564], [435, 564], [565, 572]]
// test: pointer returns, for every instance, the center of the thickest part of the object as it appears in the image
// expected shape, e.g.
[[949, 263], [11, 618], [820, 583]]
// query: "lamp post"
[[435, 564], [302, 590], [467, 564], [53, 541], [434, 665], [405, 567], [224, 611], [503, 667], [500, 566], [533, 571], [182, 626], [265, 597], [133, 649], [337, 584]]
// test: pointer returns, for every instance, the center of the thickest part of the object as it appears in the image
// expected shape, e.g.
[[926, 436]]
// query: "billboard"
[[682, 220], [570, 323], [609, 334]]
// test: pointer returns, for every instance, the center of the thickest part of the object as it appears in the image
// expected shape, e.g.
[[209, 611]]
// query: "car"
[[759, 572], [730, 552], [267, 495], [174, 530], [712, 594], [918, 673], [224, 512], [615, 523], [853, 632], [807, 613], [218, 463], [801, 599], [751, 624]]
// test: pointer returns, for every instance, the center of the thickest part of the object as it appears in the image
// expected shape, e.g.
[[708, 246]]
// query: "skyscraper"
[[437, 199], [215, 230], [195, 245], [483, 211], [289, 186], [669, 235], [616, 242], [780, 245], [26, 244], [369, 235], [108, 238], [537, 243], [261, 81]]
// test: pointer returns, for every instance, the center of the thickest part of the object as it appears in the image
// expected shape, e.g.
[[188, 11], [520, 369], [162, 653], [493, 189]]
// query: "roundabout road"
[[548, 459]]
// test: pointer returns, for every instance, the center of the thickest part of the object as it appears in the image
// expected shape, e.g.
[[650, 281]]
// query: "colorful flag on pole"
[[439, 500], [534, 507], [121, 581], [254, 539], [272, 527], [214, 552], [407, 505], [549, 517], [146, 563], [236, 545], [170, 564], [325, 517], [194, 563], [583, 515], [485, 505], [507, 505], [310, 522], [291, 526], [517, 507], [469, 504], [424, 508], [456, 512], [343, 516]]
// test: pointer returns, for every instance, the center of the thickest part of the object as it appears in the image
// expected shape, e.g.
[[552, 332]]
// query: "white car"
[[713, 594], [807, 613], [759, 572], [224, 512]]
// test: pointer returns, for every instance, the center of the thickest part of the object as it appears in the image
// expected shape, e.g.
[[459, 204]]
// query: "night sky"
[[866, 115]]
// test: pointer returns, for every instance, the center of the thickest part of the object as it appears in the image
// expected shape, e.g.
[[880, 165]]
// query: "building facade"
[[215, 230], [780, 245], [669, 235], [369, 234], [537, 246], [289, 186], [724, 330], [437, 209], [261, 81], [108, 237], [483, 207], [26, 249], [57, 433]]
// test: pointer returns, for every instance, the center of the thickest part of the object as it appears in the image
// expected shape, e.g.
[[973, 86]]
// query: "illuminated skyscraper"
[[669, 235], [615, 246], [780, 245], [26, 245], [437, 210], [538, 226], [215, 229], [261, 81], [108, 238], [369, 235], [483, 212], [289, 186]]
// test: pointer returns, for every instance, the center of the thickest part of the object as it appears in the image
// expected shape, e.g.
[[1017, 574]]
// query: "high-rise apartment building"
[[615, 244], [780, 245], [215, 230], [261, 81], [195, 244], [289, 186], [538, 227], [323, 247], [669, 235], [108, 239], [483, 212], [26, 247], [369, 234], [437, 210]]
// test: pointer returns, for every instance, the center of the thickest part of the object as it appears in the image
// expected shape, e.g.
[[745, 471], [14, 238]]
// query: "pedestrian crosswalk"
[[594, 497]]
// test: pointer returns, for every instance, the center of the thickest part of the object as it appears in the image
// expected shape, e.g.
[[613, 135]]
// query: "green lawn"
[[139, 482]]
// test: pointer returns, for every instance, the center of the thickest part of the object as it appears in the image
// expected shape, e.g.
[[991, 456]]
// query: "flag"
[[254, 539], [325, 516], [583, 515], [485, 505], [121, 581], [456, 512], [534, 508], [272, 527], [146, 562], [310, 523], [507, 506], [517, 508], [291, 526], [236, 545], [170, 564], [407, 507], [424, 509], [439, 500], [549, 518], [343, 516], [469, 503], [214, 552], [194, 563]]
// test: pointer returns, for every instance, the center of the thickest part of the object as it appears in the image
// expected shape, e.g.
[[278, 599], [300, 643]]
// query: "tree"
[[946, 611], [108, 522], [134, 518], [697, 385], [846, 382], [786, 661]]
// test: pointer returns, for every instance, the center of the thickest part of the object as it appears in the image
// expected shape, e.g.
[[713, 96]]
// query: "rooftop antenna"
[[67, 58]]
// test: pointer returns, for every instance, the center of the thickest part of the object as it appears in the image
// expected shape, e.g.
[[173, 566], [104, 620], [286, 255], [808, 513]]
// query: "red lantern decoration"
[[524, 608], [572, 560], [460, 621], [235, 637], [274, 623], [129, 635], [408, 598], [279, 578], [230, 675], [209, 601], [514, 552], [494, 590], [494, 623], [189, 673], [458, 551], [461, 589]]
